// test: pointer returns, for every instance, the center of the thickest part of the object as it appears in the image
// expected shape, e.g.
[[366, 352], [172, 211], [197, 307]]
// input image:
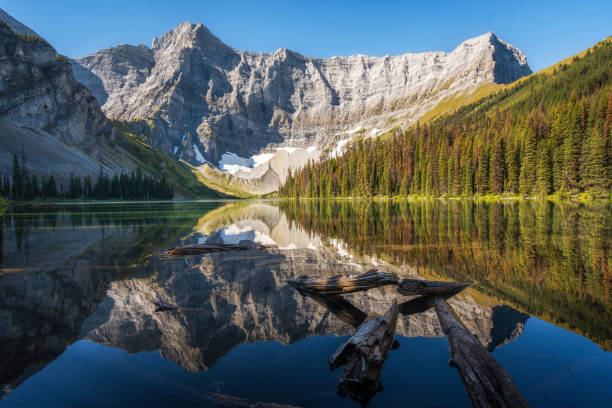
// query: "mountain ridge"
[[201, 98]]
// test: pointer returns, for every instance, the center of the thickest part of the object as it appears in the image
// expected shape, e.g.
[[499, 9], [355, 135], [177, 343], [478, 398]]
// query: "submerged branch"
[[486, 382]]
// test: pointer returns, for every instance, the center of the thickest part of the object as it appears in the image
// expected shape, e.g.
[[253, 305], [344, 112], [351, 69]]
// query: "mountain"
[[55, 125], [549, 133], [259, 116], [44, 111]]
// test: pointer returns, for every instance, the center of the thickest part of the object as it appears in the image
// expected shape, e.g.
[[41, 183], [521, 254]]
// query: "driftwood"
[[338, 284], [486, 382], [210, 248], [363, 356], [432, 288]]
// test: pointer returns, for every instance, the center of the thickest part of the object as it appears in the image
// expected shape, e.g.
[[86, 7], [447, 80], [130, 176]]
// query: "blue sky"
[[547, 31]]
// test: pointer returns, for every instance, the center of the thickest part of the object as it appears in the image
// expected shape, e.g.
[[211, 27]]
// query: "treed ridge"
[[549, 133]]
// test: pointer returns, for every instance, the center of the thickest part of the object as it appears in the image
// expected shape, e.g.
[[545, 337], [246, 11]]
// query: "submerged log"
[[486, 382], [339, 306], [210, 248], [338, 284], [423, 303], [433, 288], [363, 356]]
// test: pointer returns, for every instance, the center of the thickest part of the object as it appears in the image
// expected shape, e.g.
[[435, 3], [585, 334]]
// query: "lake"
[[79, 282]]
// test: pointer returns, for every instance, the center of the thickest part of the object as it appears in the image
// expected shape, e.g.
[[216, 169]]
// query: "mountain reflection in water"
[[91, 272]]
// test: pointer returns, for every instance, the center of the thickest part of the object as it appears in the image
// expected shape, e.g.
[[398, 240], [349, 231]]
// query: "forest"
[[549, 133], [25, 186]]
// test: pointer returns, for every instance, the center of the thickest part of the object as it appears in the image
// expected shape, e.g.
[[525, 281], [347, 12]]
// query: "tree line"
[[549, 133], [24, 185]]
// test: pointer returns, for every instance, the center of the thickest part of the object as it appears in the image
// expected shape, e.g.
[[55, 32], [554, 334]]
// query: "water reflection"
[[91, 273], [548, 259]]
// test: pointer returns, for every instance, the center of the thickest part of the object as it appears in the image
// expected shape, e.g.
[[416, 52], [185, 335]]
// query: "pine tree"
[[544, 169], [482, 172], [17, 180], [595, 165], [528, 168], [498, 167], [573, 147]]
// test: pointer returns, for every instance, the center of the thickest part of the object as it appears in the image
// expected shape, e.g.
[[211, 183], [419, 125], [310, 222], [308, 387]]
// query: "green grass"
[[220, 182], [157, 163]]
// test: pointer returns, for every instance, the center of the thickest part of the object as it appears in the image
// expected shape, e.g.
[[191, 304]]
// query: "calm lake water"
[[78, 282]]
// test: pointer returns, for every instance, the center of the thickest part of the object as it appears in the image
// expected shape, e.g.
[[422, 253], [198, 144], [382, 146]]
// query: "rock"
[[47, 114]]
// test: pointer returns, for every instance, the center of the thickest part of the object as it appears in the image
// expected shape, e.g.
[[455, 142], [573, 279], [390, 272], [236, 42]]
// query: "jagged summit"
[[185, 35]]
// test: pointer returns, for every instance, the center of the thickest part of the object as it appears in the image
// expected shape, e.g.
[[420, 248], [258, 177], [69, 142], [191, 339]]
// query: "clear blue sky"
[[547, 31]]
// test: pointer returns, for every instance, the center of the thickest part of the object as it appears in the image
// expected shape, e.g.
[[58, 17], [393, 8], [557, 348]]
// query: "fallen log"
[[432, 288], [210, 248], [486, 382], [338, 284], [363, 356]]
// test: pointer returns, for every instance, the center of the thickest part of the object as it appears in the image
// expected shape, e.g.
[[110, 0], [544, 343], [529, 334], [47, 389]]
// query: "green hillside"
[[548, 133]]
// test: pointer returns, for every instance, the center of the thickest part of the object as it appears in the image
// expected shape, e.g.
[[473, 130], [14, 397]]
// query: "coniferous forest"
[[23, 186], [547, 134]]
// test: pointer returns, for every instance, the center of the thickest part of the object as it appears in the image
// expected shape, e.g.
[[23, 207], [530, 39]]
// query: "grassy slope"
[[186, 184], [223, 183], [454, 102]]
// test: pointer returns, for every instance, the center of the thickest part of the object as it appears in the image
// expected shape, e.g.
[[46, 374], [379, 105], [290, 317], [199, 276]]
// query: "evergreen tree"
[[528, 168], [17, 180], [544, 170]]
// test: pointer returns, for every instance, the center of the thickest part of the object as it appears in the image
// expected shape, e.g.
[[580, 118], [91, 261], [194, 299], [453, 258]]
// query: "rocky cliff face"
[[44, 111], [38, 91], [203, 98]]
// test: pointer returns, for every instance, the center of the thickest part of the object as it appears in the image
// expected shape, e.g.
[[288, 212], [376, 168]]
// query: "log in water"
[[432, 288], [338, 284], [363, 356], [486, 382], [211, 248]]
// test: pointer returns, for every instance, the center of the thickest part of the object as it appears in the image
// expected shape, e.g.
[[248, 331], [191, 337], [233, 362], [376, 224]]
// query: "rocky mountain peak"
[[208, 100], [508, 62], [187, 35]]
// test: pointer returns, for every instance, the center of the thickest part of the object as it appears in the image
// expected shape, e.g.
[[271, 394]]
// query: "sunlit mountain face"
[[80, 285]]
